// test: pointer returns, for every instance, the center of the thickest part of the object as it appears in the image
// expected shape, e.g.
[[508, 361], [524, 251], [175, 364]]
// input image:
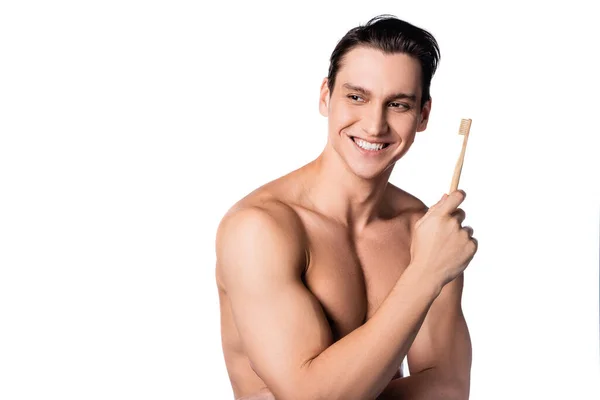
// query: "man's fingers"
[[469, 230], [454, 199], [448, 204], [460, 215]]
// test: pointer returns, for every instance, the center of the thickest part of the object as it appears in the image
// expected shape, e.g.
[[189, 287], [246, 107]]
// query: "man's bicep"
[[281, 324]]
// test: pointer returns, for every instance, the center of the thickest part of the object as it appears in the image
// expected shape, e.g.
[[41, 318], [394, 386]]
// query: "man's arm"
[[283, 328], [440, 357], [263, 394]]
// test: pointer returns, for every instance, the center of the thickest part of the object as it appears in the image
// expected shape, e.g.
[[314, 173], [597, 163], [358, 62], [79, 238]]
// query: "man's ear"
[[324, 99], [424, 116]]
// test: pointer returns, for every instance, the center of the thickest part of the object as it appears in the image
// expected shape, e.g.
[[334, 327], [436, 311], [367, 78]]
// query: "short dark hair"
[[391, 35]]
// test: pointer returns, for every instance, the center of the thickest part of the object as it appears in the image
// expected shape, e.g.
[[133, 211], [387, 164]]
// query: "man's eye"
[[353, 97], [400, 105]]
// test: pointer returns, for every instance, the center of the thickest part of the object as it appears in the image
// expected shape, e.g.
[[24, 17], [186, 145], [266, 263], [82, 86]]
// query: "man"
[[330, 276]]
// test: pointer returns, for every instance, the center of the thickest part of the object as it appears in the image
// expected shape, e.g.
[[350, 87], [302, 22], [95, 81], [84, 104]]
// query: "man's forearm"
[[424, 385], [263, 394], [361, 364]]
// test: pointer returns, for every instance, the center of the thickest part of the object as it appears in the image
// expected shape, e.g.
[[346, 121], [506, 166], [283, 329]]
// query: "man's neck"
[[335, 191]]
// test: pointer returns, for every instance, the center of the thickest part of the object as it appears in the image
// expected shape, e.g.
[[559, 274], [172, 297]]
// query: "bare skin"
[[329, 276], [349, 276]]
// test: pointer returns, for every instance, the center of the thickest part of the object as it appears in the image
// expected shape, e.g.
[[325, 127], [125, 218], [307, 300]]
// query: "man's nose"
[[374, 121]]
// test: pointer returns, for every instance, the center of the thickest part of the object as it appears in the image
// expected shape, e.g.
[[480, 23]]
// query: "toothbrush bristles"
[[465, 125]]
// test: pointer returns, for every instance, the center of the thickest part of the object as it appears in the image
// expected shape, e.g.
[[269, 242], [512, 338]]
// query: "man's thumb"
[[444, 196], [436, 205]]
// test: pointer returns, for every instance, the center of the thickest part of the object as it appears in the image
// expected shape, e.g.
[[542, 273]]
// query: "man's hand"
[[440, 244]]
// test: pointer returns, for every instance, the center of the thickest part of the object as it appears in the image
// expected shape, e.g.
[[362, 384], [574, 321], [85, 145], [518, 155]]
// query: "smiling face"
[[374, 111]]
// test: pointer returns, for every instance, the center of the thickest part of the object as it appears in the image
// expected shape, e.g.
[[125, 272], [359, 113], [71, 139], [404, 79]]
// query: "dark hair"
[[390, 35]]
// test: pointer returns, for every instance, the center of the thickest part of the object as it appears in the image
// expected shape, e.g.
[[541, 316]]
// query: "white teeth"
[[368, 146]]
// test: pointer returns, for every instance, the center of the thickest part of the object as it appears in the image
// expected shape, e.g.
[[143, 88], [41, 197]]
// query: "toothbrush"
[[465, 126]]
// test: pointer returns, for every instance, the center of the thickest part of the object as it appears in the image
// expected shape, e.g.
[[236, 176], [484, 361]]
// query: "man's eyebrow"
[[399, 95]]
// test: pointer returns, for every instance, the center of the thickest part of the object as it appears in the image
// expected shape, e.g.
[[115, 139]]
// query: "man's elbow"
[[307, 386], [303, 391]]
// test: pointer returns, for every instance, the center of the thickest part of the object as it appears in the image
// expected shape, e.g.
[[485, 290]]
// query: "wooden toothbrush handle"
[[459, 164]]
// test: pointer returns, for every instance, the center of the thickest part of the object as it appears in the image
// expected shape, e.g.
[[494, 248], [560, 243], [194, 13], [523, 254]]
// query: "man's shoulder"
[[263, 224], [264, 212], [406, 203], [270, 205]]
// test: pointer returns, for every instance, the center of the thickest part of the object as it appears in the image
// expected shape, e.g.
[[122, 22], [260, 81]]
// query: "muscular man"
[[330, 276]]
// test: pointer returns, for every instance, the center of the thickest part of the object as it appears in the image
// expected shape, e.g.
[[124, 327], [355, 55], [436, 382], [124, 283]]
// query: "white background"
[[129, 128]]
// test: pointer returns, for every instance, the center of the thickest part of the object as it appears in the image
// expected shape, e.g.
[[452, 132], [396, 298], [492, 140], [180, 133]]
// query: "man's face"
[[372, 130]]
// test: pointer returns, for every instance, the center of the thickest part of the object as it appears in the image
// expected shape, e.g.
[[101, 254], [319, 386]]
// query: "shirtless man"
[[330, 276]]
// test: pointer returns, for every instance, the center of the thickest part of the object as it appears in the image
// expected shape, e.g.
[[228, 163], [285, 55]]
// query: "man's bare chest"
[[352, 276]]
